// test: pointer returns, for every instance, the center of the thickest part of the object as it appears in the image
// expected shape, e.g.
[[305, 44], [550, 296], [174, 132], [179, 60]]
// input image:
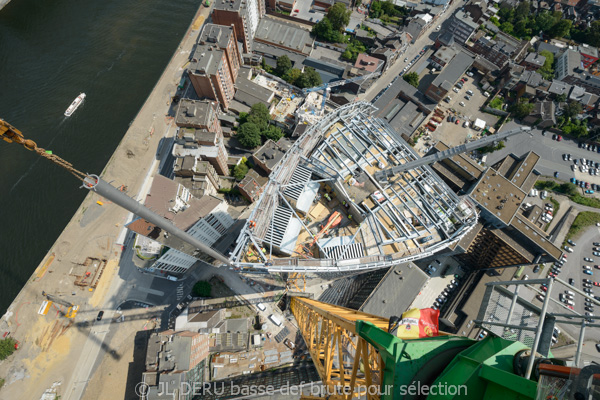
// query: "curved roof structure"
[[323, 211]]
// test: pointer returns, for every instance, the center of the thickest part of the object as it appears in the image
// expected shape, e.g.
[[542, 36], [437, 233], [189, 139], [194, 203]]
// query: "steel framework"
[[347, 144], [463, 148], [343, 359]]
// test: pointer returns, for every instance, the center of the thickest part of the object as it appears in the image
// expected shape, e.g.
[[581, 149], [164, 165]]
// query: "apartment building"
[[211, 76], [223, 38], [175, 361], [204, 218], [242, 14]]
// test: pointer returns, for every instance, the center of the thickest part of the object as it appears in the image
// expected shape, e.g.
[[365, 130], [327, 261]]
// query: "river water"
[[50, 51]]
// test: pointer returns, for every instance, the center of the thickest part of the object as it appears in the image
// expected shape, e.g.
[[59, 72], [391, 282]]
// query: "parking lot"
[[304, 11], [445, 273], [455, 134], [551, 153], [572, 271]]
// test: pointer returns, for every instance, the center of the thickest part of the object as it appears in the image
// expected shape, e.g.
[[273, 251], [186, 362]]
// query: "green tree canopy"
[[283, 65], [310, 78], [353, 49], [561, 98], [259, 114], [412, 78], [324, 30], [249, 135], [561, 29], [572, 109], [521, 109], [292, 76], [240, 171], [339, 16], [506, 27], [272, 132], [545, 21]]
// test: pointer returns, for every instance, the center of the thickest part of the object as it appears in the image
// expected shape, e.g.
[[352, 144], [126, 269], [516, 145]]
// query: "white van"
[[261, 306], [275, 320]]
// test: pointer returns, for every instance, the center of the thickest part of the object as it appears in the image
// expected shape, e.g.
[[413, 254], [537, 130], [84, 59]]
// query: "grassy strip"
[[569, 190], [586, 201], [583, 220]]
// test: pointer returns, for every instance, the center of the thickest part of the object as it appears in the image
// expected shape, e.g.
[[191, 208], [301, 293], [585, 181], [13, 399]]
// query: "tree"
[[545, 21], [353, 49], [375, 10], [521, 109], [292, 76], [272, 132], [573, 109], [522, 11], [412, 78], [265, 66], [568, 188], [495, 21], [324, 30], [339, 16], [259, 114], [310, 78], [561, 29], [506, 27], [7, 347], [242, 118], [283, 65], [561, 98], [202, 289], [240, 171], [249, 135]]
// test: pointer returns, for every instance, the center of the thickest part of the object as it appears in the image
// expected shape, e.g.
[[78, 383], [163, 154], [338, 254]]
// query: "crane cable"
[[11, 134]]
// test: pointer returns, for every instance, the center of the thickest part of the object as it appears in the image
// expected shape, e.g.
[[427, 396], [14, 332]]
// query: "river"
[[50, 51]]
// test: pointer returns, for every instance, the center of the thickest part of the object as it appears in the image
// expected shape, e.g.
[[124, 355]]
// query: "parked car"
[[567, 248], [462, 104], [588, 272], [588, 259]]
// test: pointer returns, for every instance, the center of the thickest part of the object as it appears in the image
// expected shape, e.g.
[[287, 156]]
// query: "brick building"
[[210, 74], [235, 12], [223, 38]]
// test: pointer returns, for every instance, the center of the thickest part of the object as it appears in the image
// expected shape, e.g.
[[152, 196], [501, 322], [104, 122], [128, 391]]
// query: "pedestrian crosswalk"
[[180, 291]]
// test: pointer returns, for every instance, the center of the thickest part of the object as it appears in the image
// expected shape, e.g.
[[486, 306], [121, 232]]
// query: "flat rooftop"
[[499, 196]]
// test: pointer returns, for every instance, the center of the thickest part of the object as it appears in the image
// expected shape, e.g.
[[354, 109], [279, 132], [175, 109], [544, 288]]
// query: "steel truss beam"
[[343, 359]]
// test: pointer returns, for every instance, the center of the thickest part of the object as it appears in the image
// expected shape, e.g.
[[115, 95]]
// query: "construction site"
[[324, 211]]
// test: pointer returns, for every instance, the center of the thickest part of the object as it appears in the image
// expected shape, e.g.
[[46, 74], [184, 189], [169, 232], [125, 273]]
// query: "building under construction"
[[323, 212]]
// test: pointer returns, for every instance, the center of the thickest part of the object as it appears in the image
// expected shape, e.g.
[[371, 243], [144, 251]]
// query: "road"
[[412, 51]]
